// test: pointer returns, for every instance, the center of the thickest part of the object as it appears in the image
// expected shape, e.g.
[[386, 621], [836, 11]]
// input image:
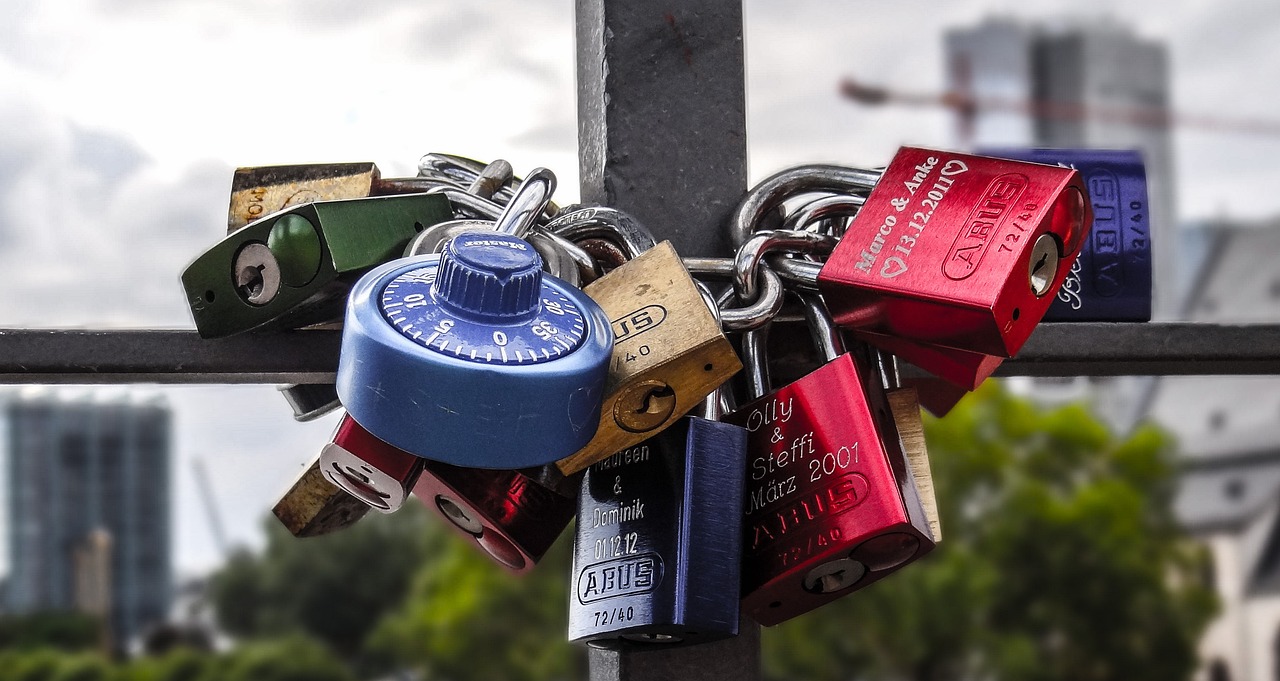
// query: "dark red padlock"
[[830, 504], [510, 516], [958, 250], [367, 468], [963, 368]]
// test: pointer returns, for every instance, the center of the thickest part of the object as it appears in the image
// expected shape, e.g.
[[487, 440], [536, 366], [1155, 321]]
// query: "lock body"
[[287, 270], [367, 468], [656, 551], [1111, 280], [511, 517], [830, 505], [958, 250], [313, 506], [668, 352], [963, 368], [473, 357], [260, 191]]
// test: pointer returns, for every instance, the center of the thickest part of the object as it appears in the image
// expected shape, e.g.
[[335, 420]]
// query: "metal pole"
[[662, 136]]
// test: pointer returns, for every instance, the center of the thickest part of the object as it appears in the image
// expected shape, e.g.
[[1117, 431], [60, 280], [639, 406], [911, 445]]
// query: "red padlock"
[[510, 516], [367, 468], [830, 504], [957, 250]]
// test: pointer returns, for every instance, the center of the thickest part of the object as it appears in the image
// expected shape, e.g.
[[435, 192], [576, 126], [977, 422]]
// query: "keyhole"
[[834, 576], [257, 273], [1043, 265], [644, 406], [252, 276]]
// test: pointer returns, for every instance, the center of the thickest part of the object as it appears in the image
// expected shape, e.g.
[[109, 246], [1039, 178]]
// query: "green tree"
[[1060, 560], [290, 659], [334, 587], [60, 630], [467, 618]]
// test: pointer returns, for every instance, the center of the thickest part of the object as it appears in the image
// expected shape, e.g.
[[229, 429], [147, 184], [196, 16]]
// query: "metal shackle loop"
[[760, 311], [795, 273], [773, 190], [602, 222], [755, 361], [572, 257], [717, 402], [825, 210], [826, 335], [746, 262], [887, 363], [527, 204], [492, 179]]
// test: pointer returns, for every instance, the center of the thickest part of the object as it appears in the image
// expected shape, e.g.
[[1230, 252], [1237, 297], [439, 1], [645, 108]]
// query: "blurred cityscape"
[[90, 482]]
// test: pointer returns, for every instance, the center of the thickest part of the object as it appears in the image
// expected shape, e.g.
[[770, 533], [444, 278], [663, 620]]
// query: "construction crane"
[[211, 508], [967, 107]]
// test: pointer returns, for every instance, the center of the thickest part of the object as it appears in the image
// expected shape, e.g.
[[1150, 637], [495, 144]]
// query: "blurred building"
[[1225, 273], [1092, 85], [1229, 431], [89, 519]]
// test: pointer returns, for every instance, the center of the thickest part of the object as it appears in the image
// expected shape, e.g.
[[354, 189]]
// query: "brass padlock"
[[904, 406], [668, 352], [314, 506], [260, 191]]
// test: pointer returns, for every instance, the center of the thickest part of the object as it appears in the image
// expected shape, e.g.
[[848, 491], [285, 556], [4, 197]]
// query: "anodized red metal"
[[937, 396], [941, 250], [826, 481], [963, 368], [514, 519], [371, 470]]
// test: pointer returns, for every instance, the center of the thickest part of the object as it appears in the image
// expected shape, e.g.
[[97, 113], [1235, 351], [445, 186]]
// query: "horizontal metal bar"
[[180, 356]]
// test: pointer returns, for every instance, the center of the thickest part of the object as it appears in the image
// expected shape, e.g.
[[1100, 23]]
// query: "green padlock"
[[293, 268]]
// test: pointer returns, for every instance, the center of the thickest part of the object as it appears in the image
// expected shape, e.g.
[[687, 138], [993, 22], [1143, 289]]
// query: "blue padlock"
[[658, 540], [1111, 279], [474, 357]]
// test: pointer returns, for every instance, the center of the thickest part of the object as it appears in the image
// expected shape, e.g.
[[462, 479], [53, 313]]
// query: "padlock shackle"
[[603, 222], [719, 401], [755, 361], [773, 190], [826, 335], [746, 261], [760, 312], [812, 215], [527, 204]]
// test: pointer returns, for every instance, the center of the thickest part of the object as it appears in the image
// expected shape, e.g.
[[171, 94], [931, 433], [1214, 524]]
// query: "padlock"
[[1111, 280], [367, 468], [668, 352], [957, 250], [825, 509], [313, 506], [657, 542], [509, 515], [904, 406], [474, 357], [257, 192], [292, 268], [962, 368], [310, 401], [937, 396]]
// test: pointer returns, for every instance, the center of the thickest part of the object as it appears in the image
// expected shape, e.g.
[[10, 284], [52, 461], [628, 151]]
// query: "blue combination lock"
[[1111, 280], [474, 357]]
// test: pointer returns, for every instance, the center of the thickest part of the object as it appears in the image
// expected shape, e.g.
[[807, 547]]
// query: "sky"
[[122, 120]]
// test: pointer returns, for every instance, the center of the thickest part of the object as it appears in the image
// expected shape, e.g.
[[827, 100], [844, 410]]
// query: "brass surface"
[[664, 334]]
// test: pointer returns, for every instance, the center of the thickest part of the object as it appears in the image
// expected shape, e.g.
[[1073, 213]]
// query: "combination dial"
[[485, 301], [475, 357]]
